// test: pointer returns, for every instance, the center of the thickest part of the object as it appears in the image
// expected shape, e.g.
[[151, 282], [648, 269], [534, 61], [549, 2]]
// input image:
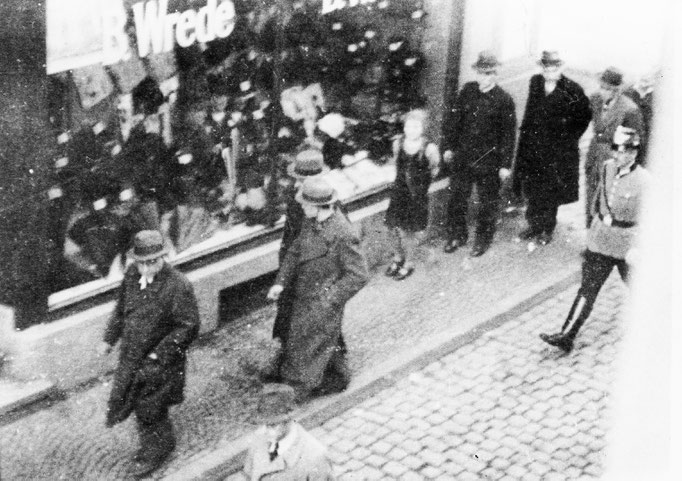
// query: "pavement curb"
[[228, 457]]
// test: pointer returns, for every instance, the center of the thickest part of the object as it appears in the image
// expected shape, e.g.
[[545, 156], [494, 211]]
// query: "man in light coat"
[[156, 319], [610, 108], [325, 267], [282, 450]]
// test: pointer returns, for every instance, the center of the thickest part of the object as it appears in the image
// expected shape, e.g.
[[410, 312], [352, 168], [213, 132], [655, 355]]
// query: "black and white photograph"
[[315, 240]]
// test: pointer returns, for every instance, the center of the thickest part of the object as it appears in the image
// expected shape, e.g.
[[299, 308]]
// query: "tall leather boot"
[[574, 321]]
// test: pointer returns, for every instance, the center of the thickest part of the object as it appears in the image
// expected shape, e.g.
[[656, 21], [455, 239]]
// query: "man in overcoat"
[[156, 319], [610, 108], [547, 164], [613, 235], [325, 266], [479, 147], [281, 449]]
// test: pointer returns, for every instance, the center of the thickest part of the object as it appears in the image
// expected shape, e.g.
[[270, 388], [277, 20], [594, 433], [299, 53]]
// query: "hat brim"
[[553, 63], [149, 257], [301, 200], [484, 68], [291, 171], [260, 419]]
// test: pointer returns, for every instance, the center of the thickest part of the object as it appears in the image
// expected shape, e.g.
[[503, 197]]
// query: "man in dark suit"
[[547, 164], [479, 146], [156, 319], [325, 267]]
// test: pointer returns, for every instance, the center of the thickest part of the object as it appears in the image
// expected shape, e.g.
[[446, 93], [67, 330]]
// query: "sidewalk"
[[386, 324]]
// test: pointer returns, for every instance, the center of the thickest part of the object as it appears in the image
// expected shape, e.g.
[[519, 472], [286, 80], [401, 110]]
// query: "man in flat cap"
[[612, 238], [282, 450], [479, 147], [547, 161], [610, 108], [325, 267], [156, 319]]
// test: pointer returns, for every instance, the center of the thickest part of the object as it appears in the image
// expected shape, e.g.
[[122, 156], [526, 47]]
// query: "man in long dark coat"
[[325, 267], [547, 165], [156, 319], [479, 147]]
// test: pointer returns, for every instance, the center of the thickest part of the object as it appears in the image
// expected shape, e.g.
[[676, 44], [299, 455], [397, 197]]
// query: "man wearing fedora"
[[547, 160], [308, 163], [156, 318], [325, 267], [282, 450], [479, 147], [610, 108]]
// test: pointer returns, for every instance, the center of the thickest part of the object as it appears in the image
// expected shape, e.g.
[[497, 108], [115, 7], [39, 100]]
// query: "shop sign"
[[157, 31], [329, 6], [89, 32]]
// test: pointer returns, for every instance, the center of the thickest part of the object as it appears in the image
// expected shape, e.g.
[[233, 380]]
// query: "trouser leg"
[[488, 188], [411, 242], [591, 186], [280, 328], [460, 191], [396, 241], [533, 213], [157, 440], [595, 270]]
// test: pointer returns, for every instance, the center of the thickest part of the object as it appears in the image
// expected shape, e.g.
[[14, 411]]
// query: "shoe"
[[558, 340], [545, 238], [479, 249], [143, 467], [453, 245], [528, 234], [394, 268], [404, 273], [329, 387]]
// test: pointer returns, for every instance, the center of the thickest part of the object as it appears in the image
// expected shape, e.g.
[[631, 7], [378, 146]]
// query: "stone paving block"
[[474, 437], [381, 447], [411, 446], [352, 465], [375, 460], [435, 419], [483, 455], [491, 473], [572, 472], [500, 462], [552, 422], [432, 458], [360, 453], [411, 476], [397, 453], [430, 472], [369, 473], [501, 413], [412, 462], [345, 446], [363, 439], [593, 470], [394, 469], [437, 444], [338, 457], [534, 415]]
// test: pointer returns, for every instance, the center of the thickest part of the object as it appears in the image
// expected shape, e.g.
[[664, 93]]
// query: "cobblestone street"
[[505, 407]]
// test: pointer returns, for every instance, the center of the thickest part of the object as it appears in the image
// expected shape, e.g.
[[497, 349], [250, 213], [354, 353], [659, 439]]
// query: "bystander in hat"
[[316, 191], [550, 58], [308, 163], [148, 245], [275, 404], [611, 78], [486, 62]]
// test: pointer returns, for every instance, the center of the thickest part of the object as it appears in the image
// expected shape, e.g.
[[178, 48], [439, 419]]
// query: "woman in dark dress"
[[417, 162]]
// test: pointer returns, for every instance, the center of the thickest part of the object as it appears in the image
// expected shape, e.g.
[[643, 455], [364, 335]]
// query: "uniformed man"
[[612, 236]]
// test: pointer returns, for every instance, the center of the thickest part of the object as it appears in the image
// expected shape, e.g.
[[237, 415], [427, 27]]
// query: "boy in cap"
[[479, 150], [611, 240], [325, 267], [156, 319], [610, 108], [281, 449]]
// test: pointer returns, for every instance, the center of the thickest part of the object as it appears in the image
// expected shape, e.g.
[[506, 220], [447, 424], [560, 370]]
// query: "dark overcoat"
[[162, 319], [325, 267], [548, 160]]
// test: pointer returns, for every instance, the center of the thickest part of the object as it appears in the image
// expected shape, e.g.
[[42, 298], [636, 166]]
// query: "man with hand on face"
[[325, 267], [610, 108], [281, 449], [612, 238], [156, 319], [479, 146]]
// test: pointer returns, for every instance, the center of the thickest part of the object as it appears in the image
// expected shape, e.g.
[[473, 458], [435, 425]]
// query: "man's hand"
[[504, 174], [447, 156], [103, 348], [275, 291]]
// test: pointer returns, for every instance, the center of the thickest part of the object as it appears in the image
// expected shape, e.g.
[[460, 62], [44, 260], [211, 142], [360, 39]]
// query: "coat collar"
[[289, 454]]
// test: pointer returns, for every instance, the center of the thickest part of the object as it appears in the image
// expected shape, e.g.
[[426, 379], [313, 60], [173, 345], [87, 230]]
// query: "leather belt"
[[608, 220]]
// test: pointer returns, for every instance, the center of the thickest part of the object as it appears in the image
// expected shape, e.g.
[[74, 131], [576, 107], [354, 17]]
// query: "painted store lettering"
[[329, 6]]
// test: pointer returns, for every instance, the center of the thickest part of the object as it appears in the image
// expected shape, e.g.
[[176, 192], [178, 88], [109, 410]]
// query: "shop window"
[[196, 142]]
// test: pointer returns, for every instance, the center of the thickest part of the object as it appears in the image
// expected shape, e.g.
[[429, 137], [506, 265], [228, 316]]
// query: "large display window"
[[189, 125]]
